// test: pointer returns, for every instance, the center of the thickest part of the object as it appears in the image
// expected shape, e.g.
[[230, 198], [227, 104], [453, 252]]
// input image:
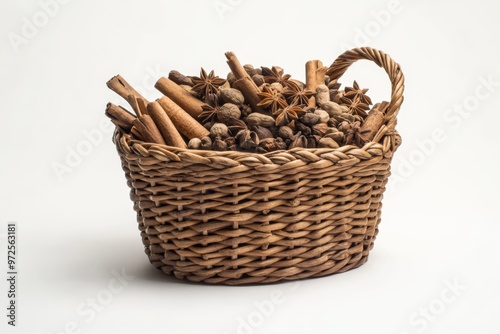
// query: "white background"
[[440, 222]]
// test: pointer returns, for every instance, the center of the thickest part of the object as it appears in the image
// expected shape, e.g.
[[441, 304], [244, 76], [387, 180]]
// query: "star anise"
[[296, 94], [206, 84], [275, 74], [210, 110], [209, 113], [354, 92], [287, 114], [271, 98], [354, 135], [357, 107]]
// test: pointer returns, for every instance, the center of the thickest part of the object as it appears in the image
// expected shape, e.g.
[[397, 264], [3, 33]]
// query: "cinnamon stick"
[[180, 96], [374, 120], [245, 85], [182, 120], [244, 82], [120, 116], [167, 129], [147, 130], [120, 86], [315, 75]]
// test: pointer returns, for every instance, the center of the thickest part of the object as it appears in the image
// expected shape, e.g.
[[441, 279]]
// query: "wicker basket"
[[239, 218]]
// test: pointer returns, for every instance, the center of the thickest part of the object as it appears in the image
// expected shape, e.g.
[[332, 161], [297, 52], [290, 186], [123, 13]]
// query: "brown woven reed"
[[240, 218]]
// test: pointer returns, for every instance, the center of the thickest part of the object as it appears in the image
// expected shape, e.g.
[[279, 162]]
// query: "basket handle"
[[342, 63]]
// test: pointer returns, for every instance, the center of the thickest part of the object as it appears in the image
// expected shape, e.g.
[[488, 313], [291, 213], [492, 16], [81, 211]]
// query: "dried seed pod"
[[332, 108], [285, 132], [338, 136], [310, 118], [311, 142], [258, 79], [280, 143], [271, 144], [256, 119], [333, 95], [247, 139], [231, 95], [206, 143], [228, 111], [298, 141], [304, 129], [345, 117], [277, 86], [334, 84], [344, 109], [323, 115], [262, 132], [328, 142], [194, 143], [333, 122], [245, 111], [267, 145], [219, 145], [208, 125], [338, 97], [322, 95], [344, 126], [320, 129], [180, 78], [235, 126], [327, 81], [230, 141]]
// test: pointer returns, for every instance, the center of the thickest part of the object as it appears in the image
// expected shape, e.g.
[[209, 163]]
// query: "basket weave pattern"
[[240, 218]]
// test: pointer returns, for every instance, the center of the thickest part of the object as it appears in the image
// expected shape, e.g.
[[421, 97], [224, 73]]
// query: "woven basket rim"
[[390, 143]]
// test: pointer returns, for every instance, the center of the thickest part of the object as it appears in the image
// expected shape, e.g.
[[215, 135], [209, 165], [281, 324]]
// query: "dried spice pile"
[[253, 110]]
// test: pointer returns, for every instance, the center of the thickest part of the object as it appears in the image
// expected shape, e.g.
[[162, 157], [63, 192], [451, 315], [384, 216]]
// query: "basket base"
[[255, 274]]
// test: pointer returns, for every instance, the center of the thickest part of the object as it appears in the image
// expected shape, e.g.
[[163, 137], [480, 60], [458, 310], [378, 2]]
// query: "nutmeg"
[[256, 119], [219, 130], [194, 143], [231, 95], [258, 79], [249, 69], [227, 112], [231, 78]]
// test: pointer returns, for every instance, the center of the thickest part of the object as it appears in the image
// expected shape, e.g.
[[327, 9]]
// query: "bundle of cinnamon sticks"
[[253, 109]]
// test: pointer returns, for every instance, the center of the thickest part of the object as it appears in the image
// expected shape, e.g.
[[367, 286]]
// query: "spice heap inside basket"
[[255, 110]]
